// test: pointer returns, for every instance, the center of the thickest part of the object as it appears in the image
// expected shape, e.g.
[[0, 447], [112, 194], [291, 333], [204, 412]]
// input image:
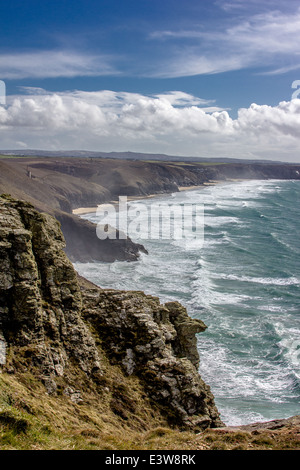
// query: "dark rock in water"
[[52, 322]]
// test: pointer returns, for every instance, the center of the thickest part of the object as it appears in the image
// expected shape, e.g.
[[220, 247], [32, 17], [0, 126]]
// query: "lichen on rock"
[[157, 343], [51, 321], [40, 301]]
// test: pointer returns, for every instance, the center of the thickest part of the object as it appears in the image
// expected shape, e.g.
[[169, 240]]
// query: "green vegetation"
[[14, 156], [172, 163], [199, 163], [32, 420]]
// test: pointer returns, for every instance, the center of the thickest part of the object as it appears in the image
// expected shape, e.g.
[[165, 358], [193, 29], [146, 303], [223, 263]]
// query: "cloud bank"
[[176, 123]]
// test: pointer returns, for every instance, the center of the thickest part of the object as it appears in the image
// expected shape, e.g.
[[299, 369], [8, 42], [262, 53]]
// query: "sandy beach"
[[84, 210], [89, 210]]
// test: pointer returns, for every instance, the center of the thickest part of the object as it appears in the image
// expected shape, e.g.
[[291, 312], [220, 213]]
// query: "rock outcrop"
[[40, 303], [55, 325], [84, 245], [157, 343]]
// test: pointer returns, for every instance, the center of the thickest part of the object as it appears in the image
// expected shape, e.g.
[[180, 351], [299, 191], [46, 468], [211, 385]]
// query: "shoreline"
[[93, 210], [90, 210]]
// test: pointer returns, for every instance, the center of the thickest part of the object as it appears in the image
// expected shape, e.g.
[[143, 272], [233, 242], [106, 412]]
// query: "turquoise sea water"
[[243, 282]]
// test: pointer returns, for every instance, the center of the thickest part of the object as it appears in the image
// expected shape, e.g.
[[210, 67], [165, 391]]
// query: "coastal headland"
[[88, 368], [83, 367], [66, 187]]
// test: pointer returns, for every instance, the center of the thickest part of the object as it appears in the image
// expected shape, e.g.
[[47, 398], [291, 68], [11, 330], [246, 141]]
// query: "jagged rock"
[[51, 319], [74, 395], [82, 243], [39, 295], [157, 343]]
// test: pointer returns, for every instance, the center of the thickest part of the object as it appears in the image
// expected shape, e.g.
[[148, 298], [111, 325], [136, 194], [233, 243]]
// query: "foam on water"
[[262, 280], [243, 282]]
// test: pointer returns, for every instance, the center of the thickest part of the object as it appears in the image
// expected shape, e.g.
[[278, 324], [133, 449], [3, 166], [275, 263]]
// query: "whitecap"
[[261, 280]]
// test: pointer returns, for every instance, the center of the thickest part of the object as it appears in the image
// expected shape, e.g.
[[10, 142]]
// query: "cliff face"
[[69, 333], [40, 303], [84, 245], [56, 192], [157, 343]]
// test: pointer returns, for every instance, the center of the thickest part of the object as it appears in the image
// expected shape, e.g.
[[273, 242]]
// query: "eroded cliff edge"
[[70, 335]]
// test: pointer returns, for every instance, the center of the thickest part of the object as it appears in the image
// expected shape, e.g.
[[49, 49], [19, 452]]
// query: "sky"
[[214, 78]]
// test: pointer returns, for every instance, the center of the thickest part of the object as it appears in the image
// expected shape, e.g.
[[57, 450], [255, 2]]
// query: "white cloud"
[[256, 5], [53, 64], [174, 123], [267, 121], [179, 98], [262, 40], [282, 70], [266, 40]]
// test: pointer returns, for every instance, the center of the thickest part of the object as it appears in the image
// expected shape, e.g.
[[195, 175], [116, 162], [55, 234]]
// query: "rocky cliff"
[[59, 330]]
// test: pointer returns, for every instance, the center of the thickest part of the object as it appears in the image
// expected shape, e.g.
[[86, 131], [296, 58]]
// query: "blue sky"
[[180, 77]]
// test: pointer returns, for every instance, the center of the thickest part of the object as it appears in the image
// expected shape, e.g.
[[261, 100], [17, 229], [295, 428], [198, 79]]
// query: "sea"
[[242, 278]]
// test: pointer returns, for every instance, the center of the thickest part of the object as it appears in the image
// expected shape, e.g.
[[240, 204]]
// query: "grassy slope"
[[32, 420]]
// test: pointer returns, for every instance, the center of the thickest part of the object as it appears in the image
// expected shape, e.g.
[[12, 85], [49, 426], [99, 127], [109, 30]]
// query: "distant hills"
[[131, 156]]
